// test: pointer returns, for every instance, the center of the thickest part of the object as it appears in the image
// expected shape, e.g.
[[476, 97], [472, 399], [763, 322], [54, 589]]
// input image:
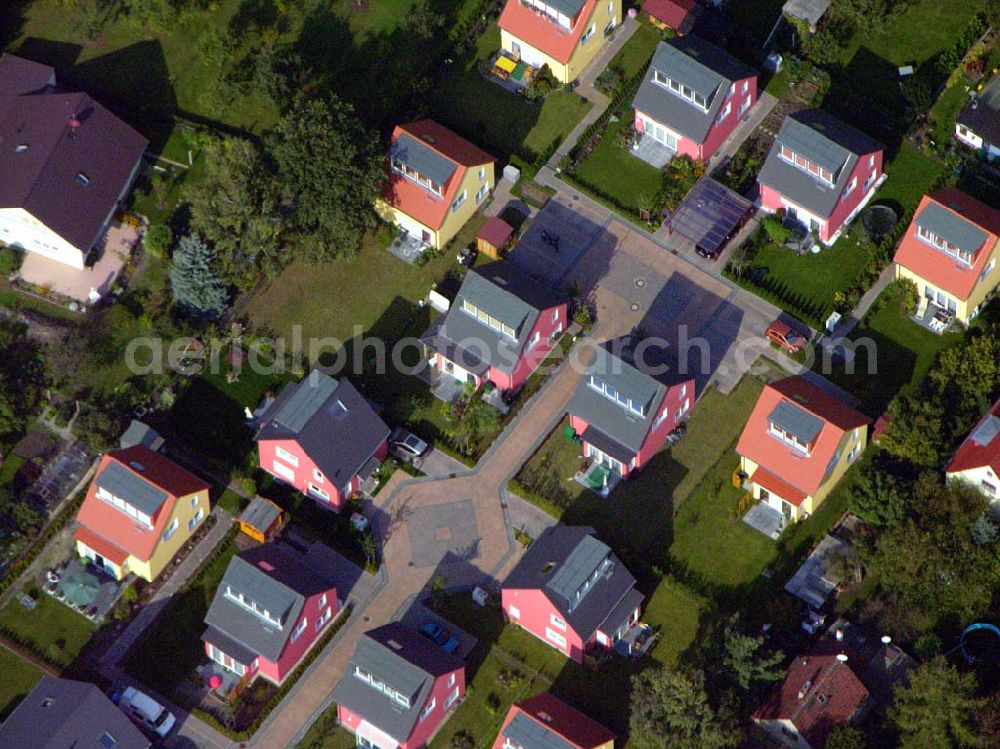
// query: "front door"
[[425, 237], [516, 49]]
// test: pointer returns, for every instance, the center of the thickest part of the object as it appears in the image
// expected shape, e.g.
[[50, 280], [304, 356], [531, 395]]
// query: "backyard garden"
[[51, 630]]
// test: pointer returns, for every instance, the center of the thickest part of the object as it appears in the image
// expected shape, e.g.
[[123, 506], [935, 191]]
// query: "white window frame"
[[171, 529], [482, 173], [451, 679], [315, 491], [459, 201], [555, 638], [291, 459], [850, 186], [195, 501], [283, 471], [988, 269], [300, 628], [726, 111], [428, 709], [322, 600], [683, 409], [588, 34], [746, 87], [481, 195], [556, 622], [318, 476], [324, 618], [196, 519], [514, 612], [452, 698]]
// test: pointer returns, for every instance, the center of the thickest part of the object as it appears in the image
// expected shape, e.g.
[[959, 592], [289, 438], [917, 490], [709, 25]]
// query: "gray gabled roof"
[[260, 513], [66, 714], [505, 292], [278, 582], [614, 365], [423, 159], [574, 546], [330, 420], [528, 733], [821, 138], [951, 227], [579, 567], [796, 421], [134, 489], [404, 660], [982, 114], [700, 66]]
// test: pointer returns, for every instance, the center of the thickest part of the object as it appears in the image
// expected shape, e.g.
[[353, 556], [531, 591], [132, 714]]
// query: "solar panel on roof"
[[951, 227], [580, 566], [135, 490], [987, 430], [795, 420], [527, 733], [309, 396]]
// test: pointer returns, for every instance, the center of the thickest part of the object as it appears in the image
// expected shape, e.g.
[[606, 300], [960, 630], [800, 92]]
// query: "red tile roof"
[[413, 199], [803, 473], [101, 545], [496, 231], [561, 719], [677, 14], [818, 694], [542, 33], [774, 484], [971, 454], [110, 523], [939, 269]]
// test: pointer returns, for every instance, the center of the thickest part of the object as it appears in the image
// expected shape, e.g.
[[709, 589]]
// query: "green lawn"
[[637, 51], [911, 175], [57, 631], [371, 57], [899, 351], [19, 678], [946, 110], [865, 86], [500, 121], [614, 172], [168, 652]]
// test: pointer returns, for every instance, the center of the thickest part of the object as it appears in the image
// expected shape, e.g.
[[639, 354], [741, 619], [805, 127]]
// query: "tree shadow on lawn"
[[865, 93], [381, 73], [134, 82]]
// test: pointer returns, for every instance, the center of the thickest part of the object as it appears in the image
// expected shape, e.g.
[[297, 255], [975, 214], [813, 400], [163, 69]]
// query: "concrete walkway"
[[160, 599], [851, 321]]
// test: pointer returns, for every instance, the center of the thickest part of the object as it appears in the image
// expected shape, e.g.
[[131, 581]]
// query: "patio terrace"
[[85, 588]]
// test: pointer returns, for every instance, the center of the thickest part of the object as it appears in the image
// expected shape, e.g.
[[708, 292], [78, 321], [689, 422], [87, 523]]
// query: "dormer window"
[[121, 505], [945, 246], [376, 683], [252, 606], [21, 148], [679, 89], [788, 438], [801, 162], [549, 12], [83, 179], [639, 409], [414, 176], [487, 319]]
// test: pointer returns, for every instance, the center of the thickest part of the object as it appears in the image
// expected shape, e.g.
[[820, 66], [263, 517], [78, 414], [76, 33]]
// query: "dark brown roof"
[[64, 157]]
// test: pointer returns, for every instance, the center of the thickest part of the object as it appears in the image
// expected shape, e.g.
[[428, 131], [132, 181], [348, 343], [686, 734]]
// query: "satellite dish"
[[842, 657]]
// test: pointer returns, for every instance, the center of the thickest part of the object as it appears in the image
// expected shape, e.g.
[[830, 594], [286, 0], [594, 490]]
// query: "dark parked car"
[[435, 633]]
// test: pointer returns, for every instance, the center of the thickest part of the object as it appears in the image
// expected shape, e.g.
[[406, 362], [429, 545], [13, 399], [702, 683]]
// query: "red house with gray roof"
[[798, 442], [820, 693], [140, 509], [323, 437], [545, 722], [268, 611], [572, 592], [68, 164], [398, 689], [436, 181], [821, 172], [977, 460]]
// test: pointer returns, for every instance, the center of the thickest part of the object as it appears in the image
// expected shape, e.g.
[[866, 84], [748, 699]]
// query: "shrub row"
[[27, 649], [248, 732]]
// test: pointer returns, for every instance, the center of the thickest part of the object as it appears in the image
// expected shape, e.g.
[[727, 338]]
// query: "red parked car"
[[786, 337]]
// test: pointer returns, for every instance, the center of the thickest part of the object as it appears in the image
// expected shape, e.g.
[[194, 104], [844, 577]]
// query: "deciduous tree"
[[671, 708], [938, 708]]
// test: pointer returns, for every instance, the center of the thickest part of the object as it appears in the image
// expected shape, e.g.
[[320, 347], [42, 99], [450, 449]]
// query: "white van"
[[146, 711]]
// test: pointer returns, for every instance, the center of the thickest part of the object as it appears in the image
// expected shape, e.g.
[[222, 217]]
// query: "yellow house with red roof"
[[566, 35], [140, 509], [798, 443], [437, 180]]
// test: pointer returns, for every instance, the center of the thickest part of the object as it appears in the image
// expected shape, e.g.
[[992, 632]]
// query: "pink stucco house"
[[323, 437], [399, 688], [571, 591], [268, 611], [821, 172], [500, 327], [693, 97], [625, 406]]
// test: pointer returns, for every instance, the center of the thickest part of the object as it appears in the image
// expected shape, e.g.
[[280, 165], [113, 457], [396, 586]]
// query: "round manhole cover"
[[576, 197], [640, 282], [634, 307]]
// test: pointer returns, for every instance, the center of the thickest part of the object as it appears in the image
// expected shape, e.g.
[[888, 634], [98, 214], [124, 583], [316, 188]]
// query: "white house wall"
[[21, 230], [976, 476]]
